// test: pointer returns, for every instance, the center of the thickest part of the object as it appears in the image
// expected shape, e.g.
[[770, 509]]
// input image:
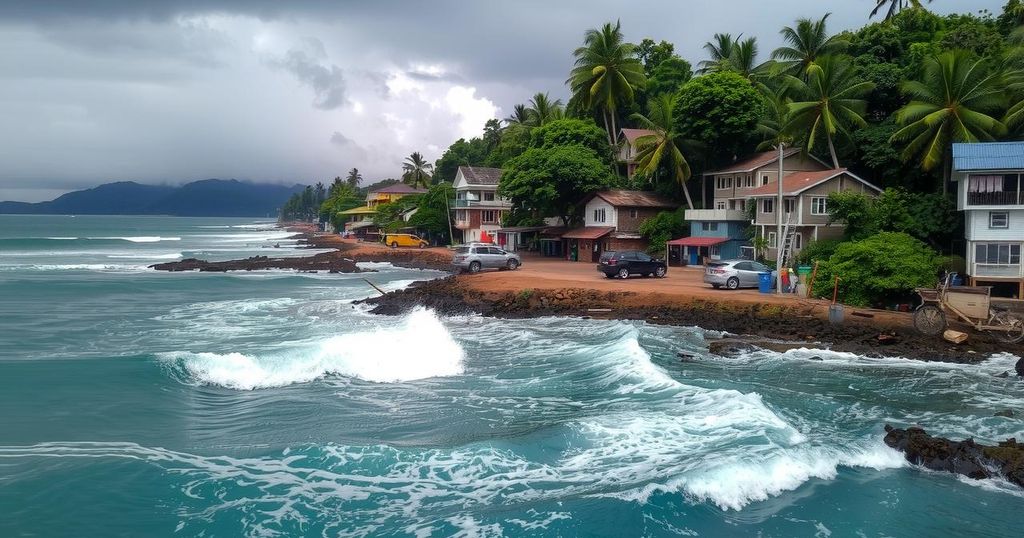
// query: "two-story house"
[[359, 220], [804, 210], [721, 231], [628, 148], [990, 192], [611, 222], [477, 206]]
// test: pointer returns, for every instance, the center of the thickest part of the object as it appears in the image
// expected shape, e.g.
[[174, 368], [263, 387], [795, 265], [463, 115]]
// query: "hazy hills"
[[205, 198]]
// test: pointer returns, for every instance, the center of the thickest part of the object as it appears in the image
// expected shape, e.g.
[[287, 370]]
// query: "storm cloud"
[[304, 90]]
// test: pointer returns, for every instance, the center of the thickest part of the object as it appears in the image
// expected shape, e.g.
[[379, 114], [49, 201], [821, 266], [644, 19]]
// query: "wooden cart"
[[970, 304]]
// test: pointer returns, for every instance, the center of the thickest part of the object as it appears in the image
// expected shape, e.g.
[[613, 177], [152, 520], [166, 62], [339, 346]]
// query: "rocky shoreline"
[[771, 327], [959, 457], [331, 262]]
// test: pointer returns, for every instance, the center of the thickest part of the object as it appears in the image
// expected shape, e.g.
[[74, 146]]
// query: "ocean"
[[144, 403]]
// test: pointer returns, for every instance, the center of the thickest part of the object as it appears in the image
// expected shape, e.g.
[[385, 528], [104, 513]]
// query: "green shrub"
[[879, 268], [663, 227], [820, 250]]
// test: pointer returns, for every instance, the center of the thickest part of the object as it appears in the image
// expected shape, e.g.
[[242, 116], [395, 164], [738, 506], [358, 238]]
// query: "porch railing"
[[994, 198]]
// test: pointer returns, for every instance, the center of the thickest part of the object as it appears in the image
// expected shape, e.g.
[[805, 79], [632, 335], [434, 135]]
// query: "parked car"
[[404, 240], [474, 258], [734, 274], [630, 262]]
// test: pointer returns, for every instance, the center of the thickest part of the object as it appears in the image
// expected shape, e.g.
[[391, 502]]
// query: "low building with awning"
[[695, 250]]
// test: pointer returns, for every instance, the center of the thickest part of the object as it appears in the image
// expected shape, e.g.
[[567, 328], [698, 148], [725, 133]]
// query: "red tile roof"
[[624, 198], [588, 232], [632, 134], [753, 162], [798, 182]]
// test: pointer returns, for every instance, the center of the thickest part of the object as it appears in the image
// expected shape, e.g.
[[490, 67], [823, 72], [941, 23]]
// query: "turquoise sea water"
[[137, 403]]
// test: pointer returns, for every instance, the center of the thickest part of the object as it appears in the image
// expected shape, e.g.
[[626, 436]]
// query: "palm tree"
[[353, 178], [721, 51], [832, 99], [775, 117], [543, 110], [808, 42], [953, 102], [520, 115], [607, 72], [895, 6], [416, 170], [661, 149]]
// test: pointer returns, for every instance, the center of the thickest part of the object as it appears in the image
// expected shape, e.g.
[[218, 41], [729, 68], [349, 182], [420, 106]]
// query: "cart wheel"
[[1015, 322], [930, 320]]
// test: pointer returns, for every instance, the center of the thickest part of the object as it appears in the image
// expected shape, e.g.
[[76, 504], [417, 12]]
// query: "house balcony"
[[462, 224], [497, 204], [1000, 198], [715, 215], [997, 270]]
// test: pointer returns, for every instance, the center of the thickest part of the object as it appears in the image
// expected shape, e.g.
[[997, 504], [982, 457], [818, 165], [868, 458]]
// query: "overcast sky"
[[301, 90]]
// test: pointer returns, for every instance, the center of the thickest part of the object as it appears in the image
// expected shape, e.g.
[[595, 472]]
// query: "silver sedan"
[[734, 274]]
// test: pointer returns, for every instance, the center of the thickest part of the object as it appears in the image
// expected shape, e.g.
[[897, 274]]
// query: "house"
[[611, 222], [804, 211], [721, 232], [989, 192], [477, 206], [359, 220], [628, 149]]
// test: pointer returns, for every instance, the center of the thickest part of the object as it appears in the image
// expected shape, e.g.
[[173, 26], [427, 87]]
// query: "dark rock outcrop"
[[330, 262], [1019, 367], [961, 457]]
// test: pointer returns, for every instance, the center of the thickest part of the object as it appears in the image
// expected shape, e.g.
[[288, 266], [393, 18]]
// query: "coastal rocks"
[[737, 346], [960, 457], [1004, 413], [331, 262], [1019, 367]]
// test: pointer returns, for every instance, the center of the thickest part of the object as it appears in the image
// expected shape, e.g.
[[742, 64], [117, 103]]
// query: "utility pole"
[[778, 228]]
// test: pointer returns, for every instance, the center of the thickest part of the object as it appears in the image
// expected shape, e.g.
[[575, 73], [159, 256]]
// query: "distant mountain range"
[[205, 198]]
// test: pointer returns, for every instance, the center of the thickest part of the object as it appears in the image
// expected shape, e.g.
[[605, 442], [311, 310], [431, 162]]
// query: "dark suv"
[[630, 262]]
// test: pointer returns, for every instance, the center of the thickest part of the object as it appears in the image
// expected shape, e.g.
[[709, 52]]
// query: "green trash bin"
[[803, 270]]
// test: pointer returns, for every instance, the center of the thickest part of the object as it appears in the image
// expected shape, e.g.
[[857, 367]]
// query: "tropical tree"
[[953, 102], [828, 104], [492, 133], [895, 6], [543, 110], [416, 171], [775, 116], [353, 178], [607, 73], [720, 51], [519, 116], [661, 150], [806, 43]]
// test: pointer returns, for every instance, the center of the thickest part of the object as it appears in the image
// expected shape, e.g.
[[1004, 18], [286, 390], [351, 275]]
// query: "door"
[[745, 272], [694, 257], [645, 264], [494, 257], [596, 250]]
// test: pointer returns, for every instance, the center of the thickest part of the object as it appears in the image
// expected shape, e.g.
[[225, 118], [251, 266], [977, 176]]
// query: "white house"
[[989, 192], [477, 206]]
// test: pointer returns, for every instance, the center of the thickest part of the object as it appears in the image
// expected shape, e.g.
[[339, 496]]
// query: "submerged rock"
[[961, 457], [1019, 367], [328, 261], [1004, 413]]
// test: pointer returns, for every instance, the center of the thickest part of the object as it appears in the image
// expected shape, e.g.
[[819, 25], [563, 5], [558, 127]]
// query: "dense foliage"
[[877, 269], [930, 217], [663, 227], [721, 110], [552, 181], [303, 205]]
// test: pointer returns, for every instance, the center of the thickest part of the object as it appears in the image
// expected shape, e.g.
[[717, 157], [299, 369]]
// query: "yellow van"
[[404, 240]]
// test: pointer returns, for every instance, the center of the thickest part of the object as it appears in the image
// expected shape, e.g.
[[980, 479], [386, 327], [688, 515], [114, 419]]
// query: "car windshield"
[[608, 255], [462, 250]]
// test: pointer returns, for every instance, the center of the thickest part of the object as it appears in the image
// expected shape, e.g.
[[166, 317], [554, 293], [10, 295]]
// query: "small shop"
[[694, 250], [586, 244]]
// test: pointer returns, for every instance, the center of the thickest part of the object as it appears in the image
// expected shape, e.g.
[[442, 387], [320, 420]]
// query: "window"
[[634, 213], [771, 240], [720, 205], [728, 182], [764, 180], [599, 215], [714, 251], [488, 196], [798, 242], [997, 253], [460, 215], [998, 219], [767, 205], [642, 257], [819, 205], [489, 217], [709, 226], [789, 205]]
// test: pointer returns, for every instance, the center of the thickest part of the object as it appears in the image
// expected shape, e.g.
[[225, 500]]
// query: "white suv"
[[475, 257]]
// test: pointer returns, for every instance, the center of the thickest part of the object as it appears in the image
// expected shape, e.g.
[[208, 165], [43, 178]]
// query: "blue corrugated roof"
[[988, 156]]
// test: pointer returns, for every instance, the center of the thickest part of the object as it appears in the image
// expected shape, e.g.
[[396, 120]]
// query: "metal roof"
[[988, 156]]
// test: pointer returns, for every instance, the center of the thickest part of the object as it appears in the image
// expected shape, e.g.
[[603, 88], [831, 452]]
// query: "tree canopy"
[[551, 181]]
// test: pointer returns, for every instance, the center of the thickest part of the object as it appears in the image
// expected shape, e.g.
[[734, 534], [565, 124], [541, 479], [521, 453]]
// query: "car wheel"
[[423, 245], [659, 272], [732, 283], [623, 273], [512, 265], [474, 267], [394, 244]]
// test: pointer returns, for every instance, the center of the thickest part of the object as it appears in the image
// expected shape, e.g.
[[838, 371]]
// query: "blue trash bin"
[[764, 282]]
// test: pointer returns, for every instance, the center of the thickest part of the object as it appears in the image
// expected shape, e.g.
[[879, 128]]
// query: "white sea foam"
[[144, 256], [101, 267], [419, 347], [140, 238]]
